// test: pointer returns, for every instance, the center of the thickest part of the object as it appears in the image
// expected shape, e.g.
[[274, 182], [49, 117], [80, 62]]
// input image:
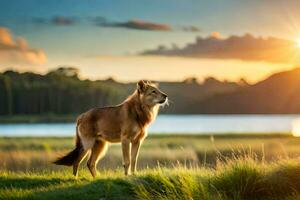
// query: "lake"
[[198, 124]]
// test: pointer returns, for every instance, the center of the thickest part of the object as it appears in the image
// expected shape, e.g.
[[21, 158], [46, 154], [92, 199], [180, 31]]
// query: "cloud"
[[135, 24], [216, 34], [39, 20], [17, 51], [246, 47], [60, 20], [191, 29], [104, 22], [57, 20]]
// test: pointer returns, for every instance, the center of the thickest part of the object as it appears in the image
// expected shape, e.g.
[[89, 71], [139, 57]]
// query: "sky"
[[151, 39]]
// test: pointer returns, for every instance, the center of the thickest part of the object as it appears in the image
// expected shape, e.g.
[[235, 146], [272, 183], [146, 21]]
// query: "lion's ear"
[[141, 86]]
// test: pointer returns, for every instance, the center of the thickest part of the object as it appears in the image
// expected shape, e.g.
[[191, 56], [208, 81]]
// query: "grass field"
[[170, 167]]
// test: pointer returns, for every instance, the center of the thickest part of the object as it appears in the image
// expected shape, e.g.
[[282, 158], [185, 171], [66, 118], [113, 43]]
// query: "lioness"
[[126, 123]]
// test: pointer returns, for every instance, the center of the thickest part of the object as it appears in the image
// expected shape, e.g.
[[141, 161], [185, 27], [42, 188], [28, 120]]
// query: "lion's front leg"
[[126, 154], [135, 147]]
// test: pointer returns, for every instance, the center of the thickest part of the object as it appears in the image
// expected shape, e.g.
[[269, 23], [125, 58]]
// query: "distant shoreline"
[[71, 118], [210, 136]]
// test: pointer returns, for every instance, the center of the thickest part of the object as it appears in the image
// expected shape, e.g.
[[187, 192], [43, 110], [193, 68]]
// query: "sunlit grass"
[[36, 154], [239, 178], [170, 167]]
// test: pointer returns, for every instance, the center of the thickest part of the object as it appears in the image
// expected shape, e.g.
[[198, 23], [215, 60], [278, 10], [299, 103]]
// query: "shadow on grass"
[[72, 189], [30, 183]]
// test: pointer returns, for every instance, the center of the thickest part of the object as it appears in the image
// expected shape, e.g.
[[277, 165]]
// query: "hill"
[[278, 94]]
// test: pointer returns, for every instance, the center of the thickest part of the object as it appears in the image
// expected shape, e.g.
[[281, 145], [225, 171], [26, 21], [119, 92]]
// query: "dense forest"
[[61, 92], [58, 92]]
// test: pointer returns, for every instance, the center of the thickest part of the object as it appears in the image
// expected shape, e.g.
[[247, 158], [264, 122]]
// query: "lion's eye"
[[153, 92]]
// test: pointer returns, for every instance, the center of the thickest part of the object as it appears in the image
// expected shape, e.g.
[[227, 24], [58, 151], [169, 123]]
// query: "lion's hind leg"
[[98, 151]]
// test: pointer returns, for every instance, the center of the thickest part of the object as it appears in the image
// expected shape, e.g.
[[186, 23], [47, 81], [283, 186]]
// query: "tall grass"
[[240, 178], [36, 154], [222, 168]]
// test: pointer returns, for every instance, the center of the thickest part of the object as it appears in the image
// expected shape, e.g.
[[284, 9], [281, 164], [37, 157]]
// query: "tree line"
[[58, 92]]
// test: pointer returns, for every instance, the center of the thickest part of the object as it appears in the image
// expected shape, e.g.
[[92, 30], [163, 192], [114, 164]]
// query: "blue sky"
[[73, 44]]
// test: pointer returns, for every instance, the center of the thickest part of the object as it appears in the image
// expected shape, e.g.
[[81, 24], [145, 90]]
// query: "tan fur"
[[126, 123]]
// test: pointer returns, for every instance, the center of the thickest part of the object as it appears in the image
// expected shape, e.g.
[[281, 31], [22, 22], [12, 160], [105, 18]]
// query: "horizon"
[[198, 80], [135, 40]]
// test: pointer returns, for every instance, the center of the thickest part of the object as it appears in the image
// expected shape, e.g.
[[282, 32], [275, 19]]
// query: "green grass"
[[36, 154], [262, 167], [241, 178]]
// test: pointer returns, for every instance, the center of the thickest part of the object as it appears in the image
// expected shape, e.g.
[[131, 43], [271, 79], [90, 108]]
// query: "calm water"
[[200, 124]]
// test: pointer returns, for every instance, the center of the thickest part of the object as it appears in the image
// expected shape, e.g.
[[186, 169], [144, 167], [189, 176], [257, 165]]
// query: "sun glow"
[[298, 43], [296, 127]]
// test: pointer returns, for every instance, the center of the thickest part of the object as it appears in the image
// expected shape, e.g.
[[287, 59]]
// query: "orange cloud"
[[17, 51], [246, 47], [215, 34]]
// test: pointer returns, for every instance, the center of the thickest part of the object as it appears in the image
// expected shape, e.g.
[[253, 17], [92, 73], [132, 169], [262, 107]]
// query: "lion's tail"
[[70, 158]]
